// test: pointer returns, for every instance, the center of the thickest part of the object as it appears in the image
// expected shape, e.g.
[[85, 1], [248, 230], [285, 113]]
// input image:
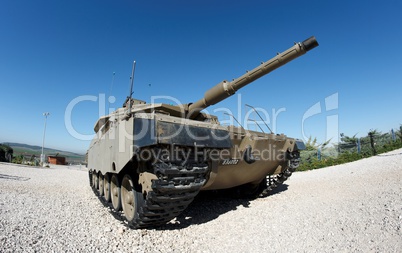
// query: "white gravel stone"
[[352, 207]]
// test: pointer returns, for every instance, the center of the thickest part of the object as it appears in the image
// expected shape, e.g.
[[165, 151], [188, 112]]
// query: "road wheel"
[[95, 180], [90, 178], [106, 187], [100, 180], [130, 199], [115, 192]]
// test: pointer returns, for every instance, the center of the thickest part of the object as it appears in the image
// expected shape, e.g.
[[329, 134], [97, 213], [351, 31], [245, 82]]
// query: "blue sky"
[[52, 52]]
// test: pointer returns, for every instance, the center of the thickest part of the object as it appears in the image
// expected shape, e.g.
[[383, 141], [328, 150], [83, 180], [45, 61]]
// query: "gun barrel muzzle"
[[310, 43]]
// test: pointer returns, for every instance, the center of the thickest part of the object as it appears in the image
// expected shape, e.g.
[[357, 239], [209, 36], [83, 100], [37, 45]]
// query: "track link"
[[273, 182], [172, 192]]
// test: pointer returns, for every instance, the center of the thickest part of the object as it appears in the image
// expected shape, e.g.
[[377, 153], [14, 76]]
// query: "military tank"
[[151, 160]]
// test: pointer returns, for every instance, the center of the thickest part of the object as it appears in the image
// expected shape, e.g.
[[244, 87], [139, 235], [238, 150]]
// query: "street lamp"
[[42, 156]]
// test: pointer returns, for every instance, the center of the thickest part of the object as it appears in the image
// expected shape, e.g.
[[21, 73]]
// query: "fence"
[[350, 148]]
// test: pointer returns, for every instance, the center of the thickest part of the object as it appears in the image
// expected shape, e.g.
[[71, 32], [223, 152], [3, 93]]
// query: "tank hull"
[[269, 154], [127, 139]]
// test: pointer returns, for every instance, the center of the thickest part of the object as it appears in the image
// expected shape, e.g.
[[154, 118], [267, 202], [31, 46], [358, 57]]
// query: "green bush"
[[18, 159], [309, 160]]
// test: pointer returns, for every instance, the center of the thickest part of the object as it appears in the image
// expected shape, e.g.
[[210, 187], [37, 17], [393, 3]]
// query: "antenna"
[[131, 88], [260, 117], [231, 115], [257, 125]]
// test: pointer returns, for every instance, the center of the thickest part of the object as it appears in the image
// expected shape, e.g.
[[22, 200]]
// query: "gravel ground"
[[356, 207]]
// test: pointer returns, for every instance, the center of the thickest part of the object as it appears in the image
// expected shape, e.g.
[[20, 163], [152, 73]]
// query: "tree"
[[347, 139], [372, 134], [399, 133], [6, 153], [311, 144], [347, 143]]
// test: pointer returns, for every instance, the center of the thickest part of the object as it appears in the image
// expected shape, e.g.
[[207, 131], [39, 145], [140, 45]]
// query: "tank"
[[151, 160]]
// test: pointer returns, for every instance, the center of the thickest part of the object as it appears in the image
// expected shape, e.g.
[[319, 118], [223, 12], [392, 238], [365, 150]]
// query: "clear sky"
[[52, 52]]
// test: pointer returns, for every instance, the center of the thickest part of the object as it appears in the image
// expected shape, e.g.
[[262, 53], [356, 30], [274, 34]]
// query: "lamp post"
[[42, 156]]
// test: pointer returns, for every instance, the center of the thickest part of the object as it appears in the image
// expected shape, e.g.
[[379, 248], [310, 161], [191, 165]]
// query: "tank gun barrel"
[[226, 89]]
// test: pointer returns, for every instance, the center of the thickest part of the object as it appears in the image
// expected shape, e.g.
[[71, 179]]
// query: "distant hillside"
[[25, 149]]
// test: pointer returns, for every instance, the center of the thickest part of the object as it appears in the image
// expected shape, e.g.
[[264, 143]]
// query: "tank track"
[[177, 185], [175, 188], [272, 182]]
